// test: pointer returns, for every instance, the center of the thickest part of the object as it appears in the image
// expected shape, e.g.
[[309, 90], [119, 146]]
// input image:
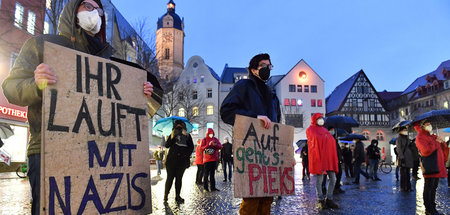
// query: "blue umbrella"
[[400, 125], [393, 141], [447, 130], [438, 118], [164, 126], [301, 143]]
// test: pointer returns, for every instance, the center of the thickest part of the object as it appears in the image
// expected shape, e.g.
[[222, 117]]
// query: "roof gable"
[[228, 73], [292, 69], [422, 80]]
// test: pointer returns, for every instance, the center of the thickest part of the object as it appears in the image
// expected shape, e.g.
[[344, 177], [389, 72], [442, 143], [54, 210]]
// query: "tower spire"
[[171, 6]]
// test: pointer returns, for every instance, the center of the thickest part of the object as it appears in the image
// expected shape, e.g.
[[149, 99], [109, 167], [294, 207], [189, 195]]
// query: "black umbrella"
[[301, 143], [353, 136], [344, 122], [438, 118], [341, 132], [393, 141], [400, 124]]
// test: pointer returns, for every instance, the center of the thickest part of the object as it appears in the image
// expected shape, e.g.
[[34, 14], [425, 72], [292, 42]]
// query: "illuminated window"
[[46, 27], [319, 103], [380, 135], [194, 80], [181, 112], [195, 111], [286, 102], [210, 110], [402, 113], [366, 134], [446, 104], [299, 102], [313, 102], [18, 15], [291, 88], [210, 125], [202, 78], [293, 102], [299, 88], [31, 22], [194, 128]]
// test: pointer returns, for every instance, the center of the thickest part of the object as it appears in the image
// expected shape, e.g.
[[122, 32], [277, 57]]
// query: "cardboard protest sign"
[[95, 157], [263, 158]]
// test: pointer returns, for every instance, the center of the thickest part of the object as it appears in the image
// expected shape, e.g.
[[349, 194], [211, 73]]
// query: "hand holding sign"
[[148, 89], [266, 121], [44, 75]]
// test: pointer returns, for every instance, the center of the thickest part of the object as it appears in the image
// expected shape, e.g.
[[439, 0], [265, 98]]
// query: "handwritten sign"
[[94, 137], [263, 159]]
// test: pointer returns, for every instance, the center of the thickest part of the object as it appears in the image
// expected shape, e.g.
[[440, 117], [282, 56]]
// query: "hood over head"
[[315, 117], [210, 131]]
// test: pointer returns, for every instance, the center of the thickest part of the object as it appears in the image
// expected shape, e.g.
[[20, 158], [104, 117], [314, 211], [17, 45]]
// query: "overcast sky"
[[394, 42]]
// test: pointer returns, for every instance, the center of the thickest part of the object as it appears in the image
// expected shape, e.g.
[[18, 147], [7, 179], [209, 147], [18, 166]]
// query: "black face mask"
[[178, 130], [264, 73]]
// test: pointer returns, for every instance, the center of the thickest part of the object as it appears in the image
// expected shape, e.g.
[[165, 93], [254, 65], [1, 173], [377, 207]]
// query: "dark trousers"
[[210, 170], [405, 183], [448, 176], [359, 171], [305, 170], [397, 170], [429, 194], [415, 169], [337, 186], [200, 172], [177, 174], [34, 176], [349, 170], [229, 164]]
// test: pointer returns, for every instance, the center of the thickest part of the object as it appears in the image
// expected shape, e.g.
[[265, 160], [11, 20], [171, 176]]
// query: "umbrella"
[[298, 151], [438, 118], [447, 130], [344, 122], [301, 143], [164, 126], [341, 132], [353, 136], [5, 131], [401, 124], [393, 141]]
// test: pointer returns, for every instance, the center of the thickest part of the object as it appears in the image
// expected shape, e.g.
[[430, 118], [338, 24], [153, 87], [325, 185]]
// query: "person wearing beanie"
[[373, 154]]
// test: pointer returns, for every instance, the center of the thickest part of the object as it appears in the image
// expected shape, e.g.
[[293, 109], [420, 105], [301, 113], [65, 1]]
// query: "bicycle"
[[21, 170], [385, 167]]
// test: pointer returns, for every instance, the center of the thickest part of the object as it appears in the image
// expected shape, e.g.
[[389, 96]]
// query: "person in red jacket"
[[199, 162], [427, 143], [322, 157], [210, 148]]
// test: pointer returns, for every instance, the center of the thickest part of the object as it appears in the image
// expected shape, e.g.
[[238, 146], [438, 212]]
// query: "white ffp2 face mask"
[[90, 21], [429, 128], [320, 122], [211, 135]]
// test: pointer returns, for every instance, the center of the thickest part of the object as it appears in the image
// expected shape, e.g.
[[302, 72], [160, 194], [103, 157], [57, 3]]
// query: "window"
[[210, 125], [366, 134], [188, 81], [195, 111], [194, 94], [286, 102], [319, 102], [194, 80], [194, 128], [306, 88], [313, 102], [13, 59], [299, 102], [380, 135], [167, 54], [313, 89], [46, 27], [291, 88], [295, 120], [209, 110], [31, 22], [446, 104], [293, 102], [299, 88], [202, 78], [209, 94], [18, 16], [181, 112]]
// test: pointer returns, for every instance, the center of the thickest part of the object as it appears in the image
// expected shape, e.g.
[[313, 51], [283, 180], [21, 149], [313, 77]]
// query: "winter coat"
[[427, 144], [414, 150], [246, 99], [19, 87], [210, 152], [322, 154], [159, 155], [405, 154], [198, 155], [180, 150], [372, 151], [347, 154], [358, 153], [226, 152], [304, 155]]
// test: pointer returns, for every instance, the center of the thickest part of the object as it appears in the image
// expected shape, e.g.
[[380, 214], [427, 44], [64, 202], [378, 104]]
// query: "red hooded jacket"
[[322, 154], [210, 152], [198, 154], [427, 144]]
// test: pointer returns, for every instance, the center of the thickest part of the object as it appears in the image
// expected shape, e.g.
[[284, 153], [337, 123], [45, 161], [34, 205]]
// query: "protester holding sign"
[[178, 159], [210, 148], [253, 98], [323, 159], [81, 27]]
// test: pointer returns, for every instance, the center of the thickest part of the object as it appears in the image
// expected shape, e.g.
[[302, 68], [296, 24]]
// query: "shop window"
[[210, 125], [194, 128], [319, 103], [286, 102], [293, 102], [313, 102]]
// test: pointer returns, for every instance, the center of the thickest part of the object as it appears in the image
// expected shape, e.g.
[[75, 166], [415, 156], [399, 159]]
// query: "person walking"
[[373, 154], [159, 156], [305, 163], [397, 166], [210, 148], [428, 144], [337, 186], [226, 155], [180, 147], [253, 98], [405, 159], [359, 158], [348, 155], [416, 160], [322, 159], [199, 163], [81, 27]]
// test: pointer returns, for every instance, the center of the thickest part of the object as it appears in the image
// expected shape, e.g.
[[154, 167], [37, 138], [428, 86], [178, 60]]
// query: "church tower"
[[170, 44]]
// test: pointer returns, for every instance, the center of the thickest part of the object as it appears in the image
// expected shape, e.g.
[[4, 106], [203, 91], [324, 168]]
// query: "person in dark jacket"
[[253, 98], [337, 186], [348, 155], [405, 159], [210, 147], [359, 158], [397, 167], [305, 163], [416, 158], [373, 154], [180, 147], [227, 160], [81, 27]]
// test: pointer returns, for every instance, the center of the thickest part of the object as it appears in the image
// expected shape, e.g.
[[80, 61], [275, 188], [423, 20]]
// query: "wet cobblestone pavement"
[[382, 197]]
